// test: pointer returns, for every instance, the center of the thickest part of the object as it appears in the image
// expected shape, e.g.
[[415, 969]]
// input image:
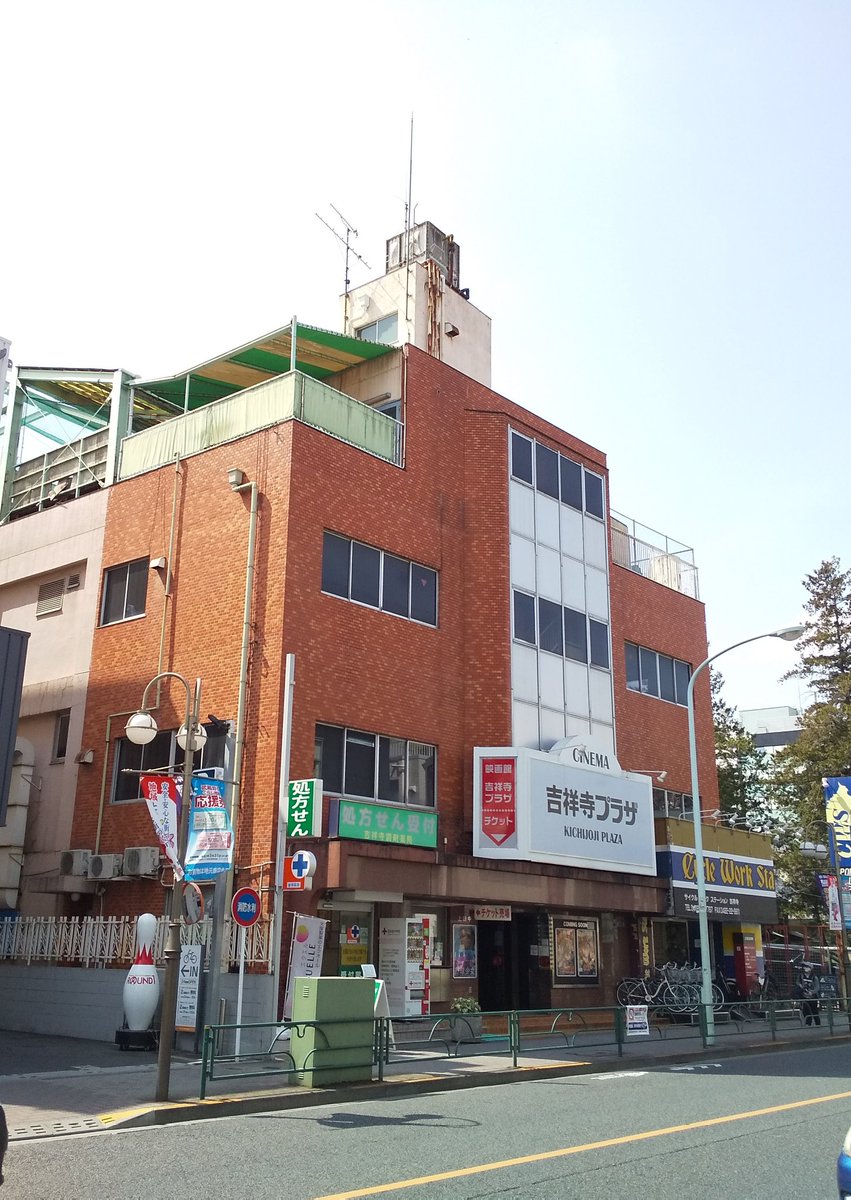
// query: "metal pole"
[[238, 1041], [792, 633], [700, 872], [172, 950], [281, 844]]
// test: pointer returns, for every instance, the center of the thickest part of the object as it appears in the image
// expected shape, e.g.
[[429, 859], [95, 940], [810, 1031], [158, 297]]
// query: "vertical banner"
[[306, 951], [837, 802], [304, 808], [499, 800], [162, 798], [209, 849]]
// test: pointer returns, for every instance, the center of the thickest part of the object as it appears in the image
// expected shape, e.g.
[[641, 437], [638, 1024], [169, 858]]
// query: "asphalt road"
[[757, 1126]]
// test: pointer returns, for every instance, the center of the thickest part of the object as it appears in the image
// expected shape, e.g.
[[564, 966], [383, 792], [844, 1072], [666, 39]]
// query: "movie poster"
[[575, 954]]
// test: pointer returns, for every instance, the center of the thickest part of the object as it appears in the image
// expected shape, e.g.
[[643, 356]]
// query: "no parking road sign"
[[245, 906]]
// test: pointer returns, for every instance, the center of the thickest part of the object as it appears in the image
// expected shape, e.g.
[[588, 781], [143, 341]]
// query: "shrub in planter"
[[468, 1024]]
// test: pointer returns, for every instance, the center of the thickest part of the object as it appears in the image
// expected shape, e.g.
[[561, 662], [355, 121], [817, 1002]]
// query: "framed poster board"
[[464, 952], [575, 950]]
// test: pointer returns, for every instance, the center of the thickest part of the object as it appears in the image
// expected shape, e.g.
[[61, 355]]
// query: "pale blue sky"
[[652, 202]]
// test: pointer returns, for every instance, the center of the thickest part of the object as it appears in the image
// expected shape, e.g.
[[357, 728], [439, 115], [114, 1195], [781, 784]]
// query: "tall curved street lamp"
[[141, 729], [790, 633]]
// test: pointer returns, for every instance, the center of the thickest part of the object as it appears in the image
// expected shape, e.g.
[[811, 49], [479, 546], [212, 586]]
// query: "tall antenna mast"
[[345, 241], [408, 220]]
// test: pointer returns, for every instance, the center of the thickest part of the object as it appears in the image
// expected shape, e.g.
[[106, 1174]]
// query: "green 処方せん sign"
[[304, 808]]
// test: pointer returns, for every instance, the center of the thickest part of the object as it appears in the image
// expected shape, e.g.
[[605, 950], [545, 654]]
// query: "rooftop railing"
[[653, 555], [293, 396]]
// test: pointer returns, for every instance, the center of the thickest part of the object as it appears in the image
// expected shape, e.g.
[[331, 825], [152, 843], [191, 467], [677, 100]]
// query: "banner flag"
[[162, 797]]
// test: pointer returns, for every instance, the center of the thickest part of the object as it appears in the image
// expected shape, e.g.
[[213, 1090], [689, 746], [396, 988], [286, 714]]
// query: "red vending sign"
[[499, 812]]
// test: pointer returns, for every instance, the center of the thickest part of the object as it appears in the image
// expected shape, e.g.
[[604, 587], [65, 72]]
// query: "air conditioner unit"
[[105, 866], [74, 862], [141, 860]]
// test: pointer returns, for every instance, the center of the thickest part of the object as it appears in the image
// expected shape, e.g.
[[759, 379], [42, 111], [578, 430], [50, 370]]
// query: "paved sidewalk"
[[54, 1085]]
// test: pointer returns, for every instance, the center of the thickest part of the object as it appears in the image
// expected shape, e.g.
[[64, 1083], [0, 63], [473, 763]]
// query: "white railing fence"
[[110, 941]]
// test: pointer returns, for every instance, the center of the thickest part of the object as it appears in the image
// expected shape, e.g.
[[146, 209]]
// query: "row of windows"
[[560, 630], [656, 674], [353, 763], [556, 476], [374, 577]]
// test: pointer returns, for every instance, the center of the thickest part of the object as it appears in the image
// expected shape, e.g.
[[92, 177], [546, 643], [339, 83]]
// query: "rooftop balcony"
[[288, 397], [653, 555]]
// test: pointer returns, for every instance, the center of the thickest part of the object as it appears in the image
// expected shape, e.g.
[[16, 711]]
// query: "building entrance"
[[509, 976]]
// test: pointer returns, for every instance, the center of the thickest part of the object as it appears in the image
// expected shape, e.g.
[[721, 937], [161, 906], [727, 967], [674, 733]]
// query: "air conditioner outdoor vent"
[[141, 860], [73, 583], [74, 862], [105, 866]]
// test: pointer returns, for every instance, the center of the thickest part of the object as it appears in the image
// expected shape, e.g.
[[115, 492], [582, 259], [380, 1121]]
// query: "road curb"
[[146, 1117]]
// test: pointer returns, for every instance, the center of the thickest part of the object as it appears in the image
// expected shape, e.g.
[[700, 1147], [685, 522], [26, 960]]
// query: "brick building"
[[446, 569]]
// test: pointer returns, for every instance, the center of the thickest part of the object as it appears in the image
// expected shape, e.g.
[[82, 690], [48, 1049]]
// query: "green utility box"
[[341, 1050]]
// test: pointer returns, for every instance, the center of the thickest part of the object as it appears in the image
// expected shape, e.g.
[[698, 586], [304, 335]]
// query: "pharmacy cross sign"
[[301, 865]]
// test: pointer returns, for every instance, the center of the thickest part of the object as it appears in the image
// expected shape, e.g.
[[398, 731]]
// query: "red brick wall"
[[652, 733], [355, 666]]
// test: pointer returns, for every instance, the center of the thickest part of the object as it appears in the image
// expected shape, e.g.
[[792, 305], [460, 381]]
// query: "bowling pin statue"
[[142, 985]]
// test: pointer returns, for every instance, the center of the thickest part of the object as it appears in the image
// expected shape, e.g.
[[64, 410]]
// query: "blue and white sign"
[[209, 850]]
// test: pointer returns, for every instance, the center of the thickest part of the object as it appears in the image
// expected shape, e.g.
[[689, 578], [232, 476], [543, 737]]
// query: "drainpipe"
[[224, 883]]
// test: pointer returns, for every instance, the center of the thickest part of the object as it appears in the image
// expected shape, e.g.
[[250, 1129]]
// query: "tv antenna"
[[347, 242]]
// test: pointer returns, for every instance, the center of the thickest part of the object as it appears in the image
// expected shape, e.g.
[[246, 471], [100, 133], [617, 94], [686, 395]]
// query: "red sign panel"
[[499, 795]]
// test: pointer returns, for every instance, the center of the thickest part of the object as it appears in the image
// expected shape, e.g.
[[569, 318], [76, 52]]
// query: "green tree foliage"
[[824, 745], [742, 765]]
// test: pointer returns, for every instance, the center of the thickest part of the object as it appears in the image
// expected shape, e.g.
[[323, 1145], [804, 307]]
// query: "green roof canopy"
[[319, 353]]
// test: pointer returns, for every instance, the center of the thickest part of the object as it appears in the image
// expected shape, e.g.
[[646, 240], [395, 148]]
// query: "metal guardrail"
[[403, 1040]]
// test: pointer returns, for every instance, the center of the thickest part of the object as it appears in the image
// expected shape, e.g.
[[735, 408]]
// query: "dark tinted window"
[[599, 643], [649, 680], [546, 470], [397, 572], [124, 591], [360, 763], [366, 569], [593, 494], [392, 755], [571, 483], [524, 618], [521, 458], [682, 674], [550, 627], [154, 756], [335, 565], [328, 757], [137, 587], [575, 643], [423, 594], [633, 674], [666, 678]]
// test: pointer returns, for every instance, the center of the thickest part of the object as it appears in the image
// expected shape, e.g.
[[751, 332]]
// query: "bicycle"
[[658, 992]]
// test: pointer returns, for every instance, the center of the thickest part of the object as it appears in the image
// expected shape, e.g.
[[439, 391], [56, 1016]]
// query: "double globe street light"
[[790, 633], [141, 729]]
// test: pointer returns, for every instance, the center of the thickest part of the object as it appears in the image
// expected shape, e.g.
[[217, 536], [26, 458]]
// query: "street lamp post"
[[141, 729], [790, 634]]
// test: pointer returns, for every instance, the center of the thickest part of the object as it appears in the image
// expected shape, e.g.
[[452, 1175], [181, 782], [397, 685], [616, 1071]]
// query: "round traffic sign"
[[193, 903], [245, 906]]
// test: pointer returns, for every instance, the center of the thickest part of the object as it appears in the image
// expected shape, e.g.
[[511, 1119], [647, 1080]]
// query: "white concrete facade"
[[61, 544]]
